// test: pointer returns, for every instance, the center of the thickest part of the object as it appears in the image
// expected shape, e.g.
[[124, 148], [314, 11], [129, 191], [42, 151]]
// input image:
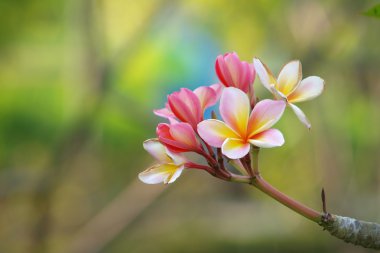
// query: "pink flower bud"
[[235, 73], [178, 137]]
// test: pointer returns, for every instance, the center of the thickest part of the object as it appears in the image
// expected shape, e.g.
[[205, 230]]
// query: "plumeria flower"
[[240, 129], [290, 86], [169, 167], [189, 106], [178, 137], [235, 73]]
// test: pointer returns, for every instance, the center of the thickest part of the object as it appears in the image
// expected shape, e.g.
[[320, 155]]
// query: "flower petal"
[[164, 112], [184, 134], [157, 150], [177, 158], [161, 173], [222, 71], [207, 96], [215, 132], [234, 109], [164, 134], [309, 88], [289, 77], [185, 106], [218, 88], [300, 115], [265, 75], [264, 115], [268, 139], [235, 148]]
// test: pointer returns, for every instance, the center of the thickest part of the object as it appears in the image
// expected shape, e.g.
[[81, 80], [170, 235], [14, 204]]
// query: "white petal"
[[309, 88], [289, 77], [157, 150], [268, 139], [265, 75], [161, 173], [300, 115]]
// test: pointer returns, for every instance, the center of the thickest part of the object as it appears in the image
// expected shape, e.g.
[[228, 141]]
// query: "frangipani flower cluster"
[[245, 122]]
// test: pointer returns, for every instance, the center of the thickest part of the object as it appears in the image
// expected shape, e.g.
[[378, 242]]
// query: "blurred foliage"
[[78, 82], [374, 11]]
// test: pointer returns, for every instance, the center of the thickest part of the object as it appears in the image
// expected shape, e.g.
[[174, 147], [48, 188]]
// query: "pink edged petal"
[[264, 115], [289, 77], [157, 150], [300, 115], [234, 109], [309, 88], [235, 148], [268, 139], [207, 96], [264, 73], [184, 134], [215, 132], [161, 173], [185, 106]]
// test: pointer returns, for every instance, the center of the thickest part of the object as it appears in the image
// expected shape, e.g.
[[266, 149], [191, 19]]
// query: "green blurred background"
[[79, 80]]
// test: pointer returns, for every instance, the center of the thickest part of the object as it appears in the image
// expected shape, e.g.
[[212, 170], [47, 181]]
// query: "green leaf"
[[373, 12]]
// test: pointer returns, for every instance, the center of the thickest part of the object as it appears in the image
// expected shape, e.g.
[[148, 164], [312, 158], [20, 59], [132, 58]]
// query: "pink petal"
[[207, 96], [185, 106], [309, 88], [235, 148], [234, 109], [235, 68], [184, 134], [264, 115], [218, 88], [300, 115], [161, 173], [222, 71], [164, 112], [268, 139], [215, 132], [264, 73], [157, 150], [289, 77], [164, 135]]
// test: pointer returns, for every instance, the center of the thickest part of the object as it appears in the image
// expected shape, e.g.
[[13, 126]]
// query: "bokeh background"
[[79, 80]]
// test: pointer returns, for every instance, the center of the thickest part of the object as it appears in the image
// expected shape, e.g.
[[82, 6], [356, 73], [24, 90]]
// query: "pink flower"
[[235, 73], [290, 86], [178, 137], [189, 106], [242, 128], [169, 167]]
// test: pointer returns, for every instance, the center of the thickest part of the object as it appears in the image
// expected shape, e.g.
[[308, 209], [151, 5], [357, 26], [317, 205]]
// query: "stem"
[[268, 189], [255, 160], [191, 165], [208, 157], [296, 206]]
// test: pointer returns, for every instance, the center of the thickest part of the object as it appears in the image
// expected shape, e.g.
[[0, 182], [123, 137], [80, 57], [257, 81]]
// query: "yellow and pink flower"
[[240, 127], [290, 86], [169, 168]]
